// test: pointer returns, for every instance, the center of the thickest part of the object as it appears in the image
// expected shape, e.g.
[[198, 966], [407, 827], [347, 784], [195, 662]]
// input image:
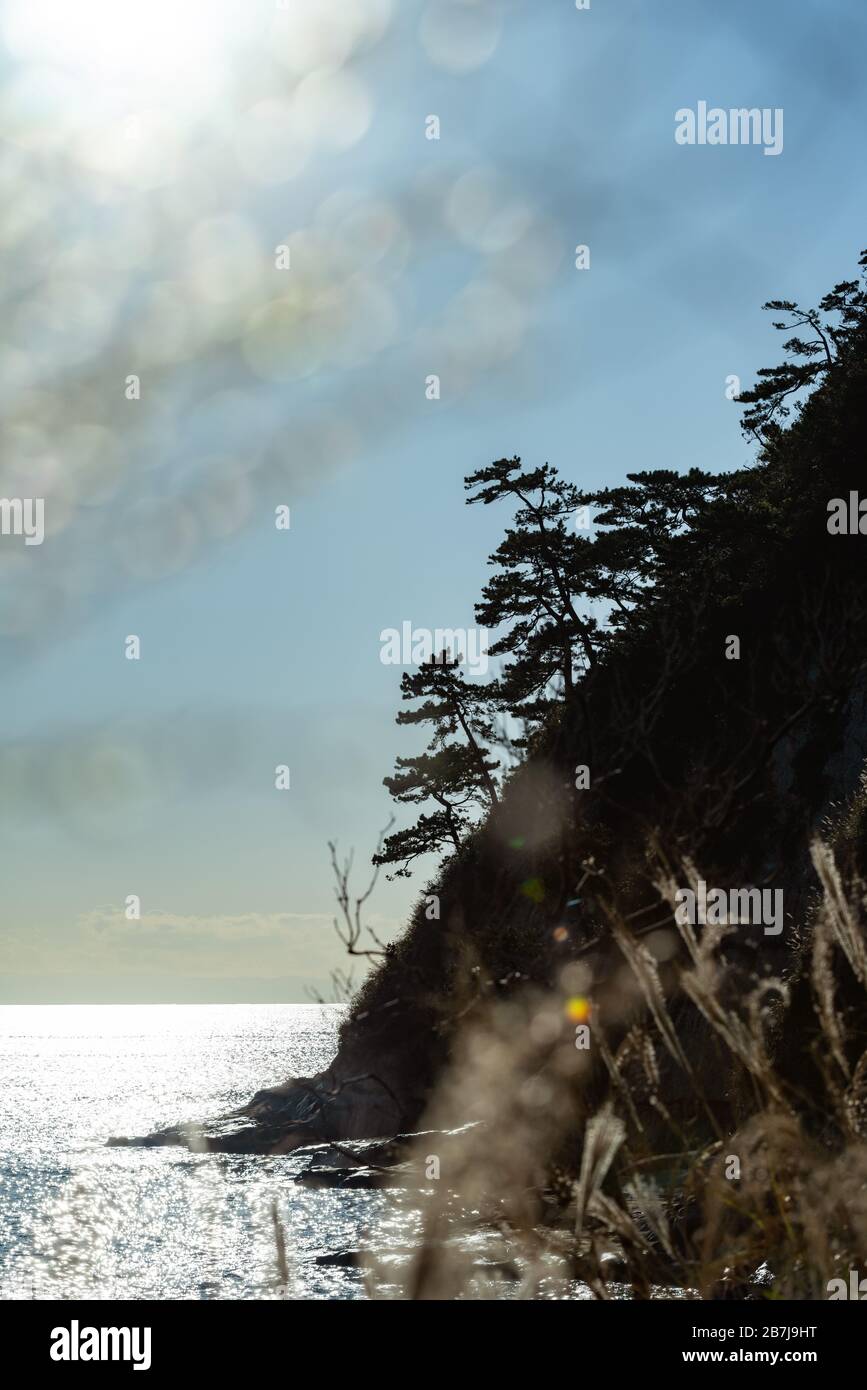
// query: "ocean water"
[[82, 1221], [78, 1220]]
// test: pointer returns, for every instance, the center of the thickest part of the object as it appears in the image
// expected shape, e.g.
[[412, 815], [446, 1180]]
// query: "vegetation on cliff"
[[688, 680]]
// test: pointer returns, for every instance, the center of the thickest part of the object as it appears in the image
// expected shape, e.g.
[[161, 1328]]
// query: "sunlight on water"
[[82, 1221]]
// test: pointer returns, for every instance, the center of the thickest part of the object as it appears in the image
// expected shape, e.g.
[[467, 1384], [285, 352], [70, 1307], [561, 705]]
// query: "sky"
[[170, 377]]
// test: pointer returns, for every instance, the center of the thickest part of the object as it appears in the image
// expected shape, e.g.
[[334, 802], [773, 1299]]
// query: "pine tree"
[[639, 528], [456, 771], [827, 339], [544, 571], [561, 595]]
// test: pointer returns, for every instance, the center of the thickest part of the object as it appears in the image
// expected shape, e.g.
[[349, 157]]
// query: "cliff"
[[701, 764]]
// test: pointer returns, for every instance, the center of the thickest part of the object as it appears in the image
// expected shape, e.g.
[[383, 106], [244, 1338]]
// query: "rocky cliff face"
[[511, 901], [699, 764]]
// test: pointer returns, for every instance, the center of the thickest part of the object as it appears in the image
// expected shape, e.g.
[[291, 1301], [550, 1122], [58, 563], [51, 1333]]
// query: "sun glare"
[[156, 43]]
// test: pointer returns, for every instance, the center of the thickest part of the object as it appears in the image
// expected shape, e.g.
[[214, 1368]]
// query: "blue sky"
[[150, 196]]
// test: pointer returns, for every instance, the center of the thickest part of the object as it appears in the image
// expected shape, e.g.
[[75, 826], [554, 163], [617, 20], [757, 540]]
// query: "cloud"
[[105, 943], [165, 380], [170, 928]]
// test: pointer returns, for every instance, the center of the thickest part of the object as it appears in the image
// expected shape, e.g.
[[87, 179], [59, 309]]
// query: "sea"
[[79, 1220]]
